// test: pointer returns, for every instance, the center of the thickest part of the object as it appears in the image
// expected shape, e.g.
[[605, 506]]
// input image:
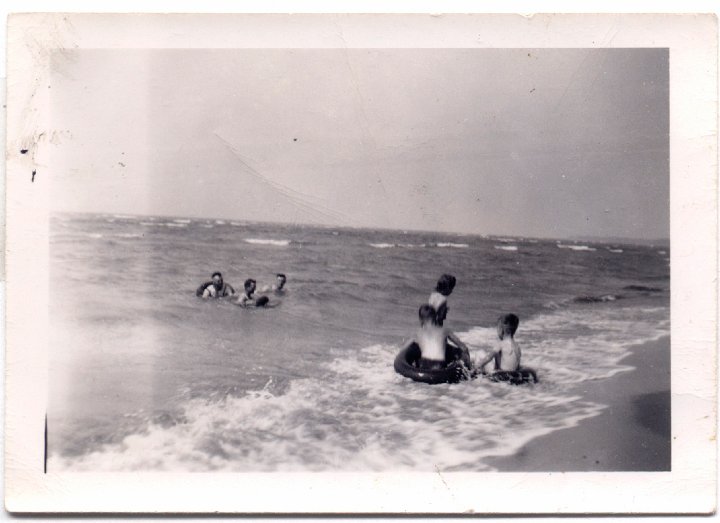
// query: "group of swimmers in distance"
[[217, 288], [432, 338]]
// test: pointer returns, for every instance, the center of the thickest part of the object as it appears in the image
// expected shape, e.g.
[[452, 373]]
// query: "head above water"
[[446, 284], [281, 279], [427, 314], [507, 325], [250, 285], [217, 278]]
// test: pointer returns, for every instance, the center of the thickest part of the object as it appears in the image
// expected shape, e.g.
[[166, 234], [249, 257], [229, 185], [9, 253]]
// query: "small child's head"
[[507, 325], [427, 315], [249, 285], [446, 284]]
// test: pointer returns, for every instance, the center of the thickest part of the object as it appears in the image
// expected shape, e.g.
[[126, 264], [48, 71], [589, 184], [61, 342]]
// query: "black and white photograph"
[[353, 259], [522, 194]]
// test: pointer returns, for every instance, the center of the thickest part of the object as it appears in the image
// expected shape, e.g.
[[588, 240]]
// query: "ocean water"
[[145, 376]]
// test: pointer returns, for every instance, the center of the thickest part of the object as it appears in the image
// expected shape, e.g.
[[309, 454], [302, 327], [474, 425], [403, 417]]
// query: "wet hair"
[[427, 313], [281, 275], [446, 284], [507, 324], [248, 283], [216, 273]]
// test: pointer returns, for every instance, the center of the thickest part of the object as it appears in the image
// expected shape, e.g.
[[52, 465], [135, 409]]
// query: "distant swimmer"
[[247, 299], [216, 288], [279, 287], [438, 298], [506, 353], [432, 339]]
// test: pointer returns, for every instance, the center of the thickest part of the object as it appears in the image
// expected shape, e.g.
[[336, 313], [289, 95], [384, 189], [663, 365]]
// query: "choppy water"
[[145, 376]]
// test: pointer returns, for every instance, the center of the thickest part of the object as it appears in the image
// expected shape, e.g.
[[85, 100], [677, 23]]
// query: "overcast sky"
[[550, 143]]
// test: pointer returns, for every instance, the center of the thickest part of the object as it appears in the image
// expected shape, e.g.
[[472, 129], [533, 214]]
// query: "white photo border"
[[691, 485]]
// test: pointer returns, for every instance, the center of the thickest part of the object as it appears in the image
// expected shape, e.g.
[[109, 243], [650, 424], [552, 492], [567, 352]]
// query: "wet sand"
[[632, 434]]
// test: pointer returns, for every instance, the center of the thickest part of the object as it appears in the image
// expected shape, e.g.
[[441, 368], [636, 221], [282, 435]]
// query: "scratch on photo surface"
[[442, 479], [297, 198], [363, 119], [45, 439], [573, 76], [607, 39]]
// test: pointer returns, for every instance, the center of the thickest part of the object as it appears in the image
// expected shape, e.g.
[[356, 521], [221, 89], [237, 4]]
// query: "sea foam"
[[359, 415], [265, 241], [452, 245], [577, 247]]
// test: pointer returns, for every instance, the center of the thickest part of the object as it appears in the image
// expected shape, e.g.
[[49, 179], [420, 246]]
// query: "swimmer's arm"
[[463, 348], [243, 301], [451, 336], [487, 359]]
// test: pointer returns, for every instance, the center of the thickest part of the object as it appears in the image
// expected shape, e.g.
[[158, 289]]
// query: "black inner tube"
[[407, 364]]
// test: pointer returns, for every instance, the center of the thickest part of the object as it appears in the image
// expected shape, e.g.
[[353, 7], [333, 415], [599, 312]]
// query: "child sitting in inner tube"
[[431, 339], [507, 352]]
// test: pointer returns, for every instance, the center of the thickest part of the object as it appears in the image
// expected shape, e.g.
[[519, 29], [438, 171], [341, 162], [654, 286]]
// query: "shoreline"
[[631, 434]]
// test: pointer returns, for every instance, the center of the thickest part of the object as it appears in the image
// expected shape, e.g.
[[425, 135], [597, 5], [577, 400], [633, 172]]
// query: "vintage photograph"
[[257, 258], [379, 263]]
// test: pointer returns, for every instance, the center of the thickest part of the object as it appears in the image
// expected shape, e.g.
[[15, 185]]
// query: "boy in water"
[[507, 352], [438, 298], [247, 299], [431, 338]]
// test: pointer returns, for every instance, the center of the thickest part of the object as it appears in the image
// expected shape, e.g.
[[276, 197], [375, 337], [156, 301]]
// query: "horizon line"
[[591, 239]]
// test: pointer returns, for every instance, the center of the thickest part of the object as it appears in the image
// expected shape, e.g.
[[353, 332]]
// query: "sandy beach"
[[632, 434]]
